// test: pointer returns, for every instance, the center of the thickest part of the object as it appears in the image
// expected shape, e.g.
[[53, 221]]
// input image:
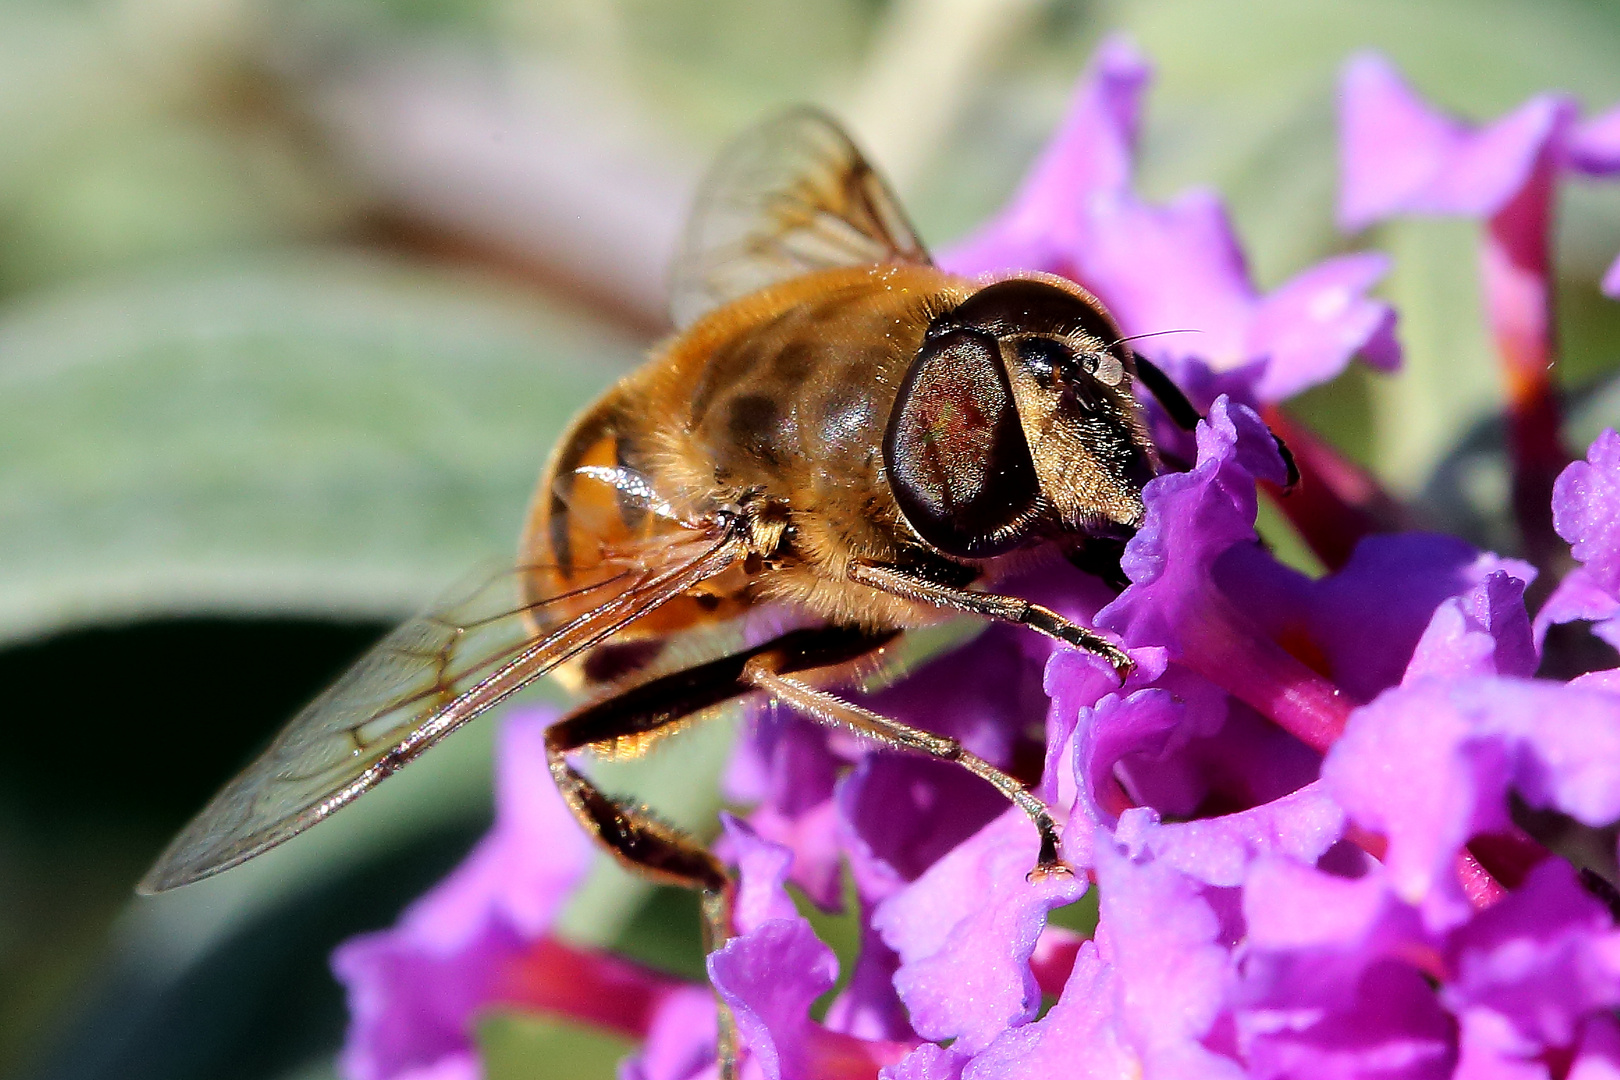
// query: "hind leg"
[[627, 723]]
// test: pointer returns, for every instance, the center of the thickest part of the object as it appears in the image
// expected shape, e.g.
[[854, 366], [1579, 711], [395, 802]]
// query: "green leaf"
[[322, 435], [1449, 380], [514, 1046]]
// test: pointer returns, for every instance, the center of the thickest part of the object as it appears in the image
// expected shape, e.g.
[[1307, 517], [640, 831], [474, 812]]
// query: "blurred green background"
[[295, 295]]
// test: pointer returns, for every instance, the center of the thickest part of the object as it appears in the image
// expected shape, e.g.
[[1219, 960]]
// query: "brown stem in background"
[[1514, 258]]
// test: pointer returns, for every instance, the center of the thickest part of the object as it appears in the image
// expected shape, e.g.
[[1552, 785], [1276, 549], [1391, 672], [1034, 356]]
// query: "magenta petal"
[[1075, 681], [1586, 510], [776, 968], [1594, 145], [1078, 1037], [1176, 266], [1328, 987], [1607, 681], [1179, 267], [869, 1008], [1369, 617], [1390, 1029], [462, 1066], [1192, 518], [1572, 765], [1599, 1055], [1311, 327], [414, 989], [1402, 769], [1402, 156], [1542, 960], [1148, 724], [927, 1062], [901, 813], [772, 973], [1483, 632], [1172, 267], [1611, 279], [1088, 156], [1218, 850], [770, 977], [680, 1041], [784, 763], [1292, 908], [1170, 952], [539, 851], [965, 931], [1580, 597], [1429, 765], [762, 869]]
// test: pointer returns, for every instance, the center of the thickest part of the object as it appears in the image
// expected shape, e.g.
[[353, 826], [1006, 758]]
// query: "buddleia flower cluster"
[[1298, 815]]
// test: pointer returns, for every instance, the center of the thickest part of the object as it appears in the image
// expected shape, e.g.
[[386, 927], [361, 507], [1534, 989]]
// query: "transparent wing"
[[791, 196], [422, 681]]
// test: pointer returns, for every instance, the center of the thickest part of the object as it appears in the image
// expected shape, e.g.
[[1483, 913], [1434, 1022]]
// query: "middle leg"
[[770, 671], [626, 724]]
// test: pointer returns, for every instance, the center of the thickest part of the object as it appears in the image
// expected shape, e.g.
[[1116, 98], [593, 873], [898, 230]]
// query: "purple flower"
[[1586, 513], [1193, 519], [965, 932], [1295, 813], [1401, 156], [1177, 266], [775, 968], [481, 939], [413, 990], [1430, 764]]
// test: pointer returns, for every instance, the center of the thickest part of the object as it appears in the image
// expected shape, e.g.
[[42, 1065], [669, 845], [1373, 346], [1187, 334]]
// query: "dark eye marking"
[[1048, 360]]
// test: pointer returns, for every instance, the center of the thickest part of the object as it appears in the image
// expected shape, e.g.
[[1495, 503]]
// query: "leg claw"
[[1047, 871]]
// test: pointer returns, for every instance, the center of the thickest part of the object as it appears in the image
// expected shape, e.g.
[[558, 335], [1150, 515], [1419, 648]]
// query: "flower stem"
[[1251, 667], [1514, 266]]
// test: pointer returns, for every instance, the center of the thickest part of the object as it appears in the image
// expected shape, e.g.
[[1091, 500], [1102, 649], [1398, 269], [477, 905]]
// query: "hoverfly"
[[838, 429]]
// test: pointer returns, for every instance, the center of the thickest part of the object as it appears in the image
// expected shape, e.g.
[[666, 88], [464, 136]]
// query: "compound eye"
[[957, 460]]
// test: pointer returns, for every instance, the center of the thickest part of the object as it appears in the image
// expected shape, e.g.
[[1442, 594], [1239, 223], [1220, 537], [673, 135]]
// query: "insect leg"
[[992, 606], [628, 722], [768, 671]]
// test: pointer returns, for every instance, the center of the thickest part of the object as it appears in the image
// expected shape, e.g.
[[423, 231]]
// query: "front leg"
[[1010, 609]]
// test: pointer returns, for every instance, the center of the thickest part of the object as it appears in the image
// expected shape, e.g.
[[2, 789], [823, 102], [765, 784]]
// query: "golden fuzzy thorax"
[[776, 405]]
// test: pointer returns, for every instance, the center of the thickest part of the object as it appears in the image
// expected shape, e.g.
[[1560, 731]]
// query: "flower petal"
[[1599, 1054], [1088, 156], [680, 1039], [1079, 1037], [762, 871], [769, 977], [1170, 950], [1542, 960], [1218, 850], [1429, 765], [414, 989], [1594, 145], [1400, 155], [965, 931], [1586, 510], [1311, 327], [1483, 632]]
